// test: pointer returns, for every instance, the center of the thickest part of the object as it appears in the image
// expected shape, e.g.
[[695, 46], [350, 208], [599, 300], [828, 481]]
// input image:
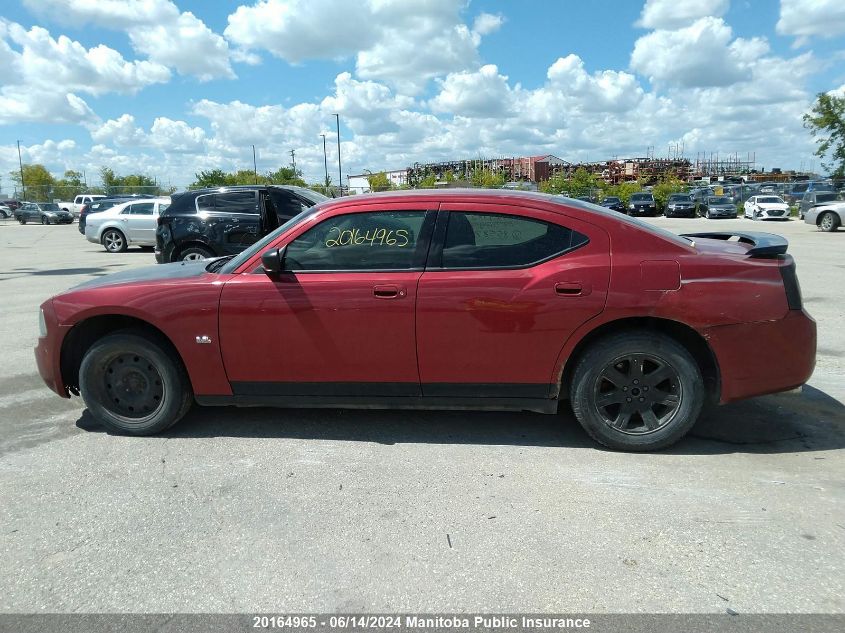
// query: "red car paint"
[[460, 333]]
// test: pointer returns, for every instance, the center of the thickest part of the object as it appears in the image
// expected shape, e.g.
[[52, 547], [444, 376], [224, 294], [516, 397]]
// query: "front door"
[[339, 321], [502, 295]]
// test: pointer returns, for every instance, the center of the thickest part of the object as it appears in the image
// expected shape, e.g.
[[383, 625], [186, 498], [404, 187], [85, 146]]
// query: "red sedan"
[[441, 300]]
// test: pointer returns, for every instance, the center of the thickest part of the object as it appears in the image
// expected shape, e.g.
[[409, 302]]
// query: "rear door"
[[504, 289], [232, 220], [141, 222]]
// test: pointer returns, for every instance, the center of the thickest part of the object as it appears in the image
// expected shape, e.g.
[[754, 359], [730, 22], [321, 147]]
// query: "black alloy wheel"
[[637, 391]]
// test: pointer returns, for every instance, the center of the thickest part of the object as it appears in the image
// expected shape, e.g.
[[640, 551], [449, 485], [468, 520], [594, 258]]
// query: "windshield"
[[719, 200], [770, 200], [309, 194], [233, 264], [611, 200], [641, 197], [49, 206], [679, 198]]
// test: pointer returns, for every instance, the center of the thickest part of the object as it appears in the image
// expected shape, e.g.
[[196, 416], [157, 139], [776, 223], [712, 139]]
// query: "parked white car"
[[766, 208], [78, 202], [129, 224], [828, 217]]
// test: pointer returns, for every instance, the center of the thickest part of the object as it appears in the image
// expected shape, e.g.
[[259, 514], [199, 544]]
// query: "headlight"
[[42, 324], [631, 206]]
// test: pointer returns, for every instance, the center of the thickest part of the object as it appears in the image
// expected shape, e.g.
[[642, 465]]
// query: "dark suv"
[[225, 220]]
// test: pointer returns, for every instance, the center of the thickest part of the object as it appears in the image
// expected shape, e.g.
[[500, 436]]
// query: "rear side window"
[[230, 202], [383, 240], [142, 208], [486, 240]]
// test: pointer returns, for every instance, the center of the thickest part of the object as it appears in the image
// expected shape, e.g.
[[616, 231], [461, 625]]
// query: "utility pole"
[[254, 166], [339, 171], [293, 160], [325, 161], [20, 164]]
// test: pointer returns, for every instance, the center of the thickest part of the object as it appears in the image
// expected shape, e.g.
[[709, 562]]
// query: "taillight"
[[791, 285]]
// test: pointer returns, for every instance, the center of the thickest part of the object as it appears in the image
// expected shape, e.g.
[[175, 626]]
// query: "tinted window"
[[825, 197], [205, 202], [236, 202], [385, 240], [719, 200], [50, 206], [770, 200], [142, 208], [800, 188], [483, 240], [679, 198], [641, 197]]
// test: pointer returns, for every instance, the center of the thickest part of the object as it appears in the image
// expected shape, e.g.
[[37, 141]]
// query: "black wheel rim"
[[132, 387], [638, 394]]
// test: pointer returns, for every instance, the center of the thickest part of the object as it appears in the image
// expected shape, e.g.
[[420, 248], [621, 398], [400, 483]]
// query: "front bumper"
[[48, 352], [768, 357]]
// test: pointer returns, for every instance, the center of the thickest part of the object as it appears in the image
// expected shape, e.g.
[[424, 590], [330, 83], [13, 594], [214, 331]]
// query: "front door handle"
[[388, 292], [572, 289]]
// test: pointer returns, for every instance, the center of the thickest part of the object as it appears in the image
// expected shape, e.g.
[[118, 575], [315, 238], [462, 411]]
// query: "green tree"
[[826, 121], [379, 182], [428, 182], [665, 188], [210, 178], [487, 178], [37, 182]]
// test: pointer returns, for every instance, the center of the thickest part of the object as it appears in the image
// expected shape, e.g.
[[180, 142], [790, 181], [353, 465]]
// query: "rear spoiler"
[[762, 244]]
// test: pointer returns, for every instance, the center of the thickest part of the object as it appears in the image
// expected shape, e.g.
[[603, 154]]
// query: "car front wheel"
[[114, 241], [637, 391], [22, 220], [829, 222], [45, 219], [133, 385]]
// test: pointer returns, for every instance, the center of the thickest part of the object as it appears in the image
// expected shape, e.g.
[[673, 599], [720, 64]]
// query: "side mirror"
[[273, 260]]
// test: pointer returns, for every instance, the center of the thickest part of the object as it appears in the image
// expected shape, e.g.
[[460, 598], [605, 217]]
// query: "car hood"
[[156, 272], [642, 203], [722, 207]]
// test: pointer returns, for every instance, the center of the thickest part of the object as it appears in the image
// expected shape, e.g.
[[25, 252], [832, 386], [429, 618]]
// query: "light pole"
[[339, 172], [325, 161], [20, 164], [254, 166]]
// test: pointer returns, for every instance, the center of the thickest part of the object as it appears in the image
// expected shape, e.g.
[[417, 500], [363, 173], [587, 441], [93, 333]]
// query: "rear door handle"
[[572, 289], [388, 292]]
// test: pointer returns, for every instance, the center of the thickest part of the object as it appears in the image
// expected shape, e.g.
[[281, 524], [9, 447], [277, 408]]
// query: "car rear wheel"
[[114, 241], [133, 385], [829, 222], [637, 391], [194, 253]]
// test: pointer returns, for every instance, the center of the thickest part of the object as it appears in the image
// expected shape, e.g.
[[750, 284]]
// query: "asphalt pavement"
[[242, 510]]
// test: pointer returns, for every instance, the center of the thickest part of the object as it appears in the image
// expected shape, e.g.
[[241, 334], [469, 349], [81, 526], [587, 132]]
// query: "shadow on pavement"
[[785, 423]]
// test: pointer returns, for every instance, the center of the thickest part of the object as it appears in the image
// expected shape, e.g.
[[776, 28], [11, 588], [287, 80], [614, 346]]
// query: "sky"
[[172, 87]]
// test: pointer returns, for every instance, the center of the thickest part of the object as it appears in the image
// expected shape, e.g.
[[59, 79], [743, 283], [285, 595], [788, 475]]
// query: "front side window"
[[381, 240], [486, 240]]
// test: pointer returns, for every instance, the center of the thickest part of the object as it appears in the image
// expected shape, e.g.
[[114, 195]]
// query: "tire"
[[22, 220], [194, 253], [623, 357], [144, 374], [828, 222], [113, 241], [707, 215], [45, 219]]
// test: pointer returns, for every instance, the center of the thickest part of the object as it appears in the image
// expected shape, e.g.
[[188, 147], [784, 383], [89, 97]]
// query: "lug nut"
[[627, 400], [642, 399]]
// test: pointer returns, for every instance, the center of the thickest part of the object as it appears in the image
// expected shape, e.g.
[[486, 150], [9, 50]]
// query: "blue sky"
[[169, 87]]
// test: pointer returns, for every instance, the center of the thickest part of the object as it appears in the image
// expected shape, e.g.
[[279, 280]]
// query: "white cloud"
[[296, 30], [403, 45], [121, 131], [698, 55], [671, 14], [805, 18], [484, 94], [156, 28], [486, 23]]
